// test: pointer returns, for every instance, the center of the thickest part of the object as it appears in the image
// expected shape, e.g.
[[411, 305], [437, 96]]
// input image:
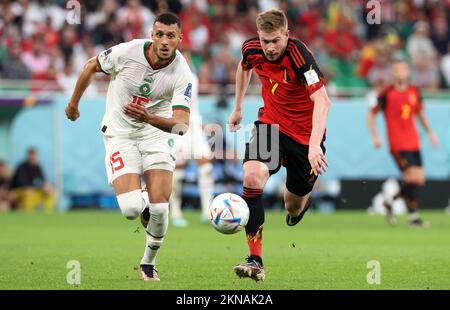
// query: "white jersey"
[[133, 79]]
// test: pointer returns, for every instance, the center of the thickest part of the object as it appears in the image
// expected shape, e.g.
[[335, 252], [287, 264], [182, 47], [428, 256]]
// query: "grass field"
[[322, 252]]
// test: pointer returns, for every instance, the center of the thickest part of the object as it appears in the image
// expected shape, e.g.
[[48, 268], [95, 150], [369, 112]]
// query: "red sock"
[[255, 242]]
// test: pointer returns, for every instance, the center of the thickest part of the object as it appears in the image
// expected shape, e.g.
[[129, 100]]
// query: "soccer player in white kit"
[[148, 99], [192, 146]]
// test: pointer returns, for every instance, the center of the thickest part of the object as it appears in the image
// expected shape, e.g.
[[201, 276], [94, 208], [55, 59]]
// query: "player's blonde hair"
[[271, 20]]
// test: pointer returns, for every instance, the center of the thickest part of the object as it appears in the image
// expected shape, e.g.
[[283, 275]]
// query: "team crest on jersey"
[[188, 91], [145, 88]]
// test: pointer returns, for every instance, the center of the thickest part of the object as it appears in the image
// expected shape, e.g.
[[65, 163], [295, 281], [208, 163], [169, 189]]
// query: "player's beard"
[[164, 54]]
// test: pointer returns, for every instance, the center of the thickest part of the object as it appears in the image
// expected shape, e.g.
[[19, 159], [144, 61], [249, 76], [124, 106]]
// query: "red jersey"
[[287, 85], [400, 108]]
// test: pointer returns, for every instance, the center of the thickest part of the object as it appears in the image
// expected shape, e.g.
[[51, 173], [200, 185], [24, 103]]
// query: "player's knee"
[[131, 204], [420, 179], [253, 180], [159, 209]]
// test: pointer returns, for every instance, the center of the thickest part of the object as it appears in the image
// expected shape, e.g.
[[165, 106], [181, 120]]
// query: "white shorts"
[[192, 145], [128, 155]]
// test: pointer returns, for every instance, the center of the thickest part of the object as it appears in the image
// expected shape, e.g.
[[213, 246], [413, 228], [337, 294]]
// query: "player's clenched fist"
[[72, 112], [235, 120]]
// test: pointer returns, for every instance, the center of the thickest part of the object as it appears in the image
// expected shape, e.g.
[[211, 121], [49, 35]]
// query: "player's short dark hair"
[[168, 18]]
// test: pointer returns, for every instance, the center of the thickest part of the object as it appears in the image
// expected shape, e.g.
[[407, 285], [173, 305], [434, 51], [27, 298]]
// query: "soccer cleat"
[[292, 221], [251, 269], [149, 273], [419, 223]]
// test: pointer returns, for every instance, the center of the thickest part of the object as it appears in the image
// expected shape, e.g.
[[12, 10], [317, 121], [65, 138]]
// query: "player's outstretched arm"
[[242, 80], [177, 124], [320, 113], [83, 82], [373, 127], [426, 125]]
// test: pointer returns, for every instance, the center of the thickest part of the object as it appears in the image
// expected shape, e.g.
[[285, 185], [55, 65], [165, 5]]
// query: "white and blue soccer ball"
[[229, 213]]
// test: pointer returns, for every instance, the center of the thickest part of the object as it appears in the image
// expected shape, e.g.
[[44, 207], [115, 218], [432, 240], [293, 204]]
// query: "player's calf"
[[294, 220]]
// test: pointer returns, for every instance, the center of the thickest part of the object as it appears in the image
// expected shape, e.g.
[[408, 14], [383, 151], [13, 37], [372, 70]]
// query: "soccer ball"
[[228, 213]]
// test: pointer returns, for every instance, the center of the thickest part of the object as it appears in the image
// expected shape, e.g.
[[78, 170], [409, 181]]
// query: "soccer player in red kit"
[[401, 103], [291, 125]]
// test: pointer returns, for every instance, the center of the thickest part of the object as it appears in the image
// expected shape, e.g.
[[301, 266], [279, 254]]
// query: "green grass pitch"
[[322, 252]]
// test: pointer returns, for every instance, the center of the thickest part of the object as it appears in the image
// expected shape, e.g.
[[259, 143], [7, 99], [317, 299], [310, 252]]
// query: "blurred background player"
[[192, 145], [296, 104], [5, 195], [401, 103], [29, 186], [148, 99]]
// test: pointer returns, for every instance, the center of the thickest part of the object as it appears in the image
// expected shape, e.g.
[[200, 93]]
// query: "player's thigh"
[[122, 158], [412, 171], [300, 179], [256, 174], [158, 163], [293, 201], [159, 184], [263, 154], [127, 183]]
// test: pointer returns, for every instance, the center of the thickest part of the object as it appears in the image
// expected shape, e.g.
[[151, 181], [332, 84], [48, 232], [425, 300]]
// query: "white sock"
[[156, 230], [175, 197], [206, 186]]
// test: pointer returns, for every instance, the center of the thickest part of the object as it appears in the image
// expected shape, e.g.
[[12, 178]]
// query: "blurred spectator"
[[37, 60], [5, 195], [343, 44], [13, 67], [109, 33], [67, 79], [380, 73], [445, 66], [424, 74], [29, 187], [440, 35], [136, 20], [419, 44]]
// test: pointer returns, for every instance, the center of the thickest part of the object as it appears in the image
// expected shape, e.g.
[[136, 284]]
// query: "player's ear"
[[181, 36], [288, 33]]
